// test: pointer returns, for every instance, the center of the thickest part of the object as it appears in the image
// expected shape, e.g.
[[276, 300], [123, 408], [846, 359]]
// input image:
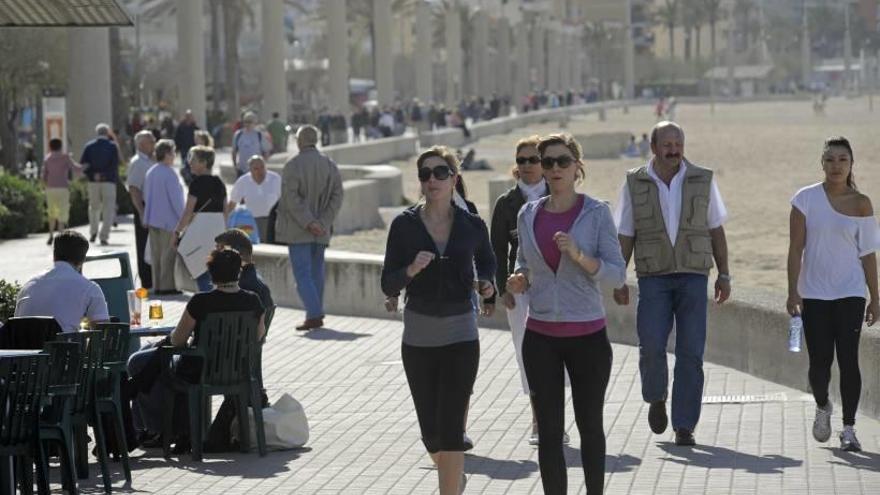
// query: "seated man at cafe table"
[[62, 292]]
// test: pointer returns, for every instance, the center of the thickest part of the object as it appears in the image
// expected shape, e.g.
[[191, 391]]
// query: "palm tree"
[[694, 11], [667, 15], [712, 10]]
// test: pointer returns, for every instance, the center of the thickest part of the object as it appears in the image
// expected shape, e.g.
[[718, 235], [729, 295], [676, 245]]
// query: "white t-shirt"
[[64, 294], [831, 267], [670, 205], [259, 198]]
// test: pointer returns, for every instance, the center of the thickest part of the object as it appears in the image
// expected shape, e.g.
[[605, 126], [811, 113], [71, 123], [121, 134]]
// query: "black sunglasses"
[[522, 160], [440, 172], [563, 161]]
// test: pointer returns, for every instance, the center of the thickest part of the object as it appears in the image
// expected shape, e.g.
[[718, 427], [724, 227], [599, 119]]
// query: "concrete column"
[[424, 60], [479, 51], [538, 55], [191, 59], [338, 55], [503, 73], [577, 71], [553, 55], [89, 100], [454, 81], [521, 78], [382, 55], [629, 54], [273, 77], [565, 60]]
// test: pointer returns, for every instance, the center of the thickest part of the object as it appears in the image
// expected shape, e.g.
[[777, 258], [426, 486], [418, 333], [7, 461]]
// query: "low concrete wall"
[[748, 333], [374, 151], [387, 178]]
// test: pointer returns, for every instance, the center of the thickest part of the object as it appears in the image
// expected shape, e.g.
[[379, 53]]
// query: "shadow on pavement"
[[858, 460], [622, 463], [330, 334], [246, 465], [723, 458], [499, 469]]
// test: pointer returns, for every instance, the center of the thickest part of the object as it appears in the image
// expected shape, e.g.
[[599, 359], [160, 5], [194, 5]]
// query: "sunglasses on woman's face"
[[522, 160], [563, 161], [440, 172]]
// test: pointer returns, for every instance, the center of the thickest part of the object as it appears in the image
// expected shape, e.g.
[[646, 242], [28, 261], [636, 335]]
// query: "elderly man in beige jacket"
[[311, 195]]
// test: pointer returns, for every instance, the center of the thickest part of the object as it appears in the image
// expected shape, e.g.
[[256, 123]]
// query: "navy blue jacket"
[[100, 156], [445, 286]]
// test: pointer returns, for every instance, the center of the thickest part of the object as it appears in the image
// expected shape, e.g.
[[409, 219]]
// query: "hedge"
[[8, 295]]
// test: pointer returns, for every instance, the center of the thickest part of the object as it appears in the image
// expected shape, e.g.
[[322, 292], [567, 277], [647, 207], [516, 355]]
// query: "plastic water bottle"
[[795, 329]]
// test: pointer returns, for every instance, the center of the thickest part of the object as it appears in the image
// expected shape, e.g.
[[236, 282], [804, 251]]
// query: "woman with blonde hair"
[[567, 246], [431, 252]]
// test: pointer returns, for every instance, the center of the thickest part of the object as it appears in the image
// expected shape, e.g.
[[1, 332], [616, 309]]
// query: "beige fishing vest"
[[654, 253]]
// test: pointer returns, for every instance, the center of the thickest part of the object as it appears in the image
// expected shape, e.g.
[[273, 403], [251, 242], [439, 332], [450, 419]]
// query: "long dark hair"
[[843, 143]]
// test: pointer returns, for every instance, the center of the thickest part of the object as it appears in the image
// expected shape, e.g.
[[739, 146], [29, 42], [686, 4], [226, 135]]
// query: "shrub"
[[8, 294], [25, 207]]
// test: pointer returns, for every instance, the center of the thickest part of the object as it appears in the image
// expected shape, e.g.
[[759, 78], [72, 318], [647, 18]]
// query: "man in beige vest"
[[670, 213], [311, 196]]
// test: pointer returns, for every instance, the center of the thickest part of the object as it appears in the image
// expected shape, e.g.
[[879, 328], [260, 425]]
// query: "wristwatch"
[[725, 276]]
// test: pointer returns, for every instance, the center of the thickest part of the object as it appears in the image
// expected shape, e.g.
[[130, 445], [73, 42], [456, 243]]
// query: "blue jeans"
[[678, 298], [204, 283], [308, 271]]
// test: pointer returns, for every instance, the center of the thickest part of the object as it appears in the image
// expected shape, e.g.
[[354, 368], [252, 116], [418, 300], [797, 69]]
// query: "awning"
[[34, 13]]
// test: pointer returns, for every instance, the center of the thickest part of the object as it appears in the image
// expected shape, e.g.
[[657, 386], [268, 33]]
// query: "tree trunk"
[[231, 31], [216, 65], [8, 143], [687, 43], [671, 30], [712, 40], [699, 30]]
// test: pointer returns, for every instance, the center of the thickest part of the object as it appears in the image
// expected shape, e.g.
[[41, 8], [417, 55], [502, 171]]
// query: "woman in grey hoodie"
[[568, 243]]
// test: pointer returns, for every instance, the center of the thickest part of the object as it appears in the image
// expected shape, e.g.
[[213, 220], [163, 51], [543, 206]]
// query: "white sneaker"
[[848, 440], [533, 439], [822, 423]]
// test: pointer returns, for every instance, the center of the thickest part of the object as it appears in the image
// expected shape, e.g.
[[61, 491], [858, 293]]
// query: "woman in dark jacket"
[[431, 252], [530, 185]]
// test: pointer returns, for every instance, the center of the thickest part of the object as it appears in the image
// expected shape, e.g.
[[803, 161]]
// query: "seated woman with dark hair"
[[144, 366]]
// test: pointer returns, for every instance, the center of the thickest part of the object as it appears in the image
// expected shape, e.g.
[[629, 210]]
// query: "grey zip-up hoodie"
[[570, 294]]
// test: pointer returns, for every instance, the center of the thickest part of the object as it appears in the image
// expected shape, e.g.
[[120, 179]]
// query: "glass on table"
[[156, 314], [134, 307]]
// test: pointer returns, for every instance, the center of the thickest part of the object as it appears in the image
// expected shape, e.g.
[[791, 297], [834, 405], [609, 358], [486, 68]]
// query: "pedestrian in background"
[[58, 167]]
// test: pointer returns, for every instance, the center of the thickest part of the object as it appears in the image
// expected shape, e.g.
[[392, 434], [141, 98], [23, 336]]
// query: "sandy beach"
[[762, 154]]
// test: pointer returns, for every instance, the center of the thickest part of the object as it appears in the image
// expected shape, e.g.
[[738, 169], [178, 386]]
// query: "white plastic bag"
[[284, 422]]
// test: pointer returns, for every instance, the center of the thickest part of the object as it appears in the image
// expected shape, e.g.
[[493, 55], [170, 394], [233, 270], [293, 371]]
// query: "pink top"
[[56, 169], [547, 224]]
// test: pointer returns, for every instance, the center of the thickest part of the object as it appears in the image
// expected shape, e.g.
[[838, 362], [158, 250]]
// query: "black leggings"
[[830, 325], [440, 381], [588, 361]]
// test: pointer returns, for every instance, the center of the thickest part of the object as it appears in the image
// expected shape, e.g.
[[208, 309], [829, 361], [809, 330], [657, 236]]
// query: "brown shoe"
[[310, 324]]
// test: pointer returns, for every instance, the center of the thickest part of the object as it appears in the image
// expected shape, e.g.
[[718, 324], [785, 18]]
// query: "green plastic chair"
[[24, 380], [226, 344], [115, 288], [108, 391], [64, 370]]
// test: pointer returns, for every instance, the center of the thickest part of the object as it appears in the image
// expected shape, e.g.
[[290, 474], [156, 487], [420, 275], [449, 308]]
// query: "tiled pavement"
[[364, 435]]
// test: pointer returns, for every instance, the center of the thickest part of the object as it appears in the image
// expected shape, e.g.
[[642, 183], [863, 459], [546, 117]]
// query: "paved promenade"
[[754, 436]]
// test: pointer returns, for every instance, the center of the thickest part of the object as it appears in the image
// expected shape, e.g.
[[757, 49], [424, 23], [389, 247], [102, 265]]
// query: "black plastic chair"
[[28, 332], [85, 408], [225, 345], [64, 370], [108, 391], [23, 381]]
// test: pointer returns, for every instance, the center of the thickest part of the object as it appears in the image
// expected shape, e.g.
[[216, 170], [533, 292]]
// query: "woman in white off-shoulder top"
[[831, 267]]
